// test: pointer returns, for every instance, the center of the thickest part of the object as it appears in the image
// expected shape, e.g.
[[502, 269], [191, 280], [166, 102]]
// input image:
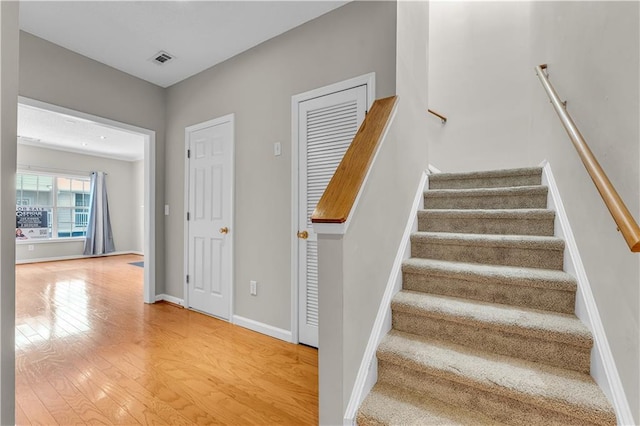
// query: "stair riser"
[[509, 255], [504, 406], [520, 201], [489, 182], [463, 225], [515, 295], [474, 335]]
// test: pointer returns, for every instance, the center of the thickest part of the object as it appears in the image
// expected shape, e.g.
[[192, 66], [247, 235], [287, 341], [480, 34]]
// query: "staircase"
[[483, 330]]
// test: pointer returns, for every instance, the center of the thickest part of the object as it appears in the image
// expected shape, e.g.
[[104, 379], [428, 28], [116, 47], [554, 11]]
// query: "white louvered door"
[[326, 128]]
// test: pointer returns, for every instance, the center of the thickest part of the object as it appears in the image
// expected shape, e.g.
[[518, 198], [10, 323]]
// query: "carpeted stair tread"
[[519, 197], [516, 276], [544, 289], [488, 221], [391, 405], [493, 240], [571, 393], [493, 213], [509, 250], [528, 322], [489, 178]]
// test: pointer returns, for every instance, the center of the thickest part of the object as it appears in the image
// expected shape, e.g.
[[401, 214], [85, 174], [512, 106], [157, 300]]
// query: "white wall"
[[257, 86], [593, 50], [123, 183], [479, 74], [482, 57], [57, 76], [138, 205]]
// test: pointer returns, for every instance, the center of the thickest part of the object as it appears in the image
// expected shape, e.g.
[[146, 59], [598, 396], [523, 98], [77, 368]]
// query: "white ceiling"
[[127, 34], [199, 34], [46, 129]]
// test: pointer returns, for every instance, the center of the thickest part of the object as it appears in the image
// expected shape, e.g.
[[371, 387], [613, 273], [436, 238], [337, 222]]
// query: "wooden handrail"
[[341, 193], [440, 116], [621, 215]]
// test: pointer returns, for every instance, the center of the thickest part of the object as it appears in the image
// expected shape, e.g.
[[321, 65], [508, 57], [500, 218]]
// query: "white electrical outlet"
[[253, 288], [31, 247]]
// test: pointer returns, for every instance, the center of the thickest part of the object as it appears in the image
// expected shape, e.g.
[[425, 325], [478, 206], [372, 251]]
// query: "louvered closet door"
[[327, 126]]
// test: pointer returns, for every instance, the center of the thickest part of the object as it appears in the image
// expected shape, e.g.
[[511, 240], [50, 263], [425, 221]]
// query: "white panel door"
[[327, 125], [210, 213]]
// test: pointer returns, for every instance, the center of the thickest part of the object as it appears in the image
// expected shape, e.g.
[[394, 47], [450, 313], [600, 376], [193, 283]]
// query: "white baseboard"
[[603, 367], [263, 328], [70, 257], [433, 169], [368, 371], [169, 298]]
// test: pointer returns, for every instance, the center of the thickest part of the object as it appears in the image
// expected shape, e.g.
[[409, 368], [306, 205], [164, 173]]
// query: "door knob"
[[224, 230], [303, 235]]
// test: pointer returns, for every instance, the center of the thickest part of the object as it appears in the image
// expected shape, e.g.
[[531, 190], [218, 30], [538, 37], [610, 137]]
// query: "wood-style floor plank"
[[35, 412], [89, 351], [58, 407], [21, 417]]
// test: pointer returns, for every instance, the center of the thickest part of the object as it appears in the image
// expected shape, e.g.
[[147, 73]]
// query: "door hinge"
[[188, 153], [187, 279], [188, 216]]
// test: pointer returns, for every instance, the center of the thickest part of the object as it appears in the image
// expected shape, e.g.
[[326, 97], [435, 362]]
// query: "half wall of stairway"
[[354, 268]]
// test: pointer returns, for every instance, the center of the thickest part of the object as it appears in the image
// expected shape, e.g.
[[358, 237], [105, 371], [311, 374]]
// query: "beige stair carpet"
[[484, 330]]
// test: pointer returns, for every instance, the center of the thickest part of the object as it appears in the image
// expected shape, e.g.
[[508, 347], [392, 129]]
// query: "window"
[[50, 206]]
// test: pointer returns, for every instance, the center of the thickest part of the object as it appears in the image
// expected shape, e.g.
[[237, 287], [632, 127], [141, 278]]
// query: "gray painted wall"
[[9, 37], [593, 50], [371, 244], [55, 75], [479, 75], [257, 86], [123, 183]]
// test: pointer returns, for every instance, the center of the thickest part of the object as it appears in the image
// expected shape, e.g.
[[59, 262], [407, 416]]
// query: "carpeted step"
[[523, 197], [486, 179], [391, 405], [555, 339], [495, 221], [508, 250], [544, 289], [508, 390]]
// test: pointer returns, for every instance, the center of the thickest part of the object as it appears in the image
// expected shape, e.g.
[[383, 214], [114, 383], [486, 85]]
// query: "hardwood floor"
[[88, 351]]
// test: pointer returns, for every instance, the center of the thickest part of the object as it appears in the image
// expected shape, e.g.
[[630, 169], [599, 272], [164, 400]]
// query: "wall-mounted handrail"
[[440, 116], [621, 215], [341, 193]]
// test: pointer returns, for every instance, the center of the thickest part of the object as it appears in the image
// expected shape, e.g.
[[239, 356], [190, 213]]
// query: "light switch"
[[166, 209], [277, 149]]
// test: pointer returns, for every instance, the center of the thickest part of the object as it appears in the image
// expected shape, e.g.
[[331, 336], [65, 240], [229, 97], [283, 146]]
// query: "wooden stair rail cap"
[[341, 193]]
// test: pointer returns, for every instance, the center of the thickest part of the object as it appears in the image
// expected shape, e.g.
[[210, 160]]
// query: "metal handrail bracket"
[[621, 215]]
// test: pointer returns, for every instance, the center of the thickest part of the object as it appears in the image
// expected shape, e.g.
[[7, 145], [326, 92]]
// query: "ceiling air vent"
[[161, 58]]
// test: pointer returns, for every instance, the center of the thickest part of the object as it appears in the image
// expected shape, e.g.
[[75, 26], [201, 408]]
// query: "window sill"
[[49, 241]]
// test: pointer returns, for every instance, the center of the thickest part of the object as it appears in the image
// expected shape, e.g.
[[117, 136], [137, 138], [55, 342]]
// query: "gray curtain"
[[99, 235]]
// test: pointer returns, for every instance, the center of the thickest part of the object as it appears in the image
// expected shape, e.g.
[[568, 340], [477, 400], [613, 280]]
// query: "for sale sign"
[[31, 223]]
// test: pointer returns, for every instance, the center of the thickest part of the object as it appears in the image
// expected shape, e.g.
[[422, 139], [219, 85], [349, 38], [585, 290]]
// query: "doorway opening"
[[69, 227]]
